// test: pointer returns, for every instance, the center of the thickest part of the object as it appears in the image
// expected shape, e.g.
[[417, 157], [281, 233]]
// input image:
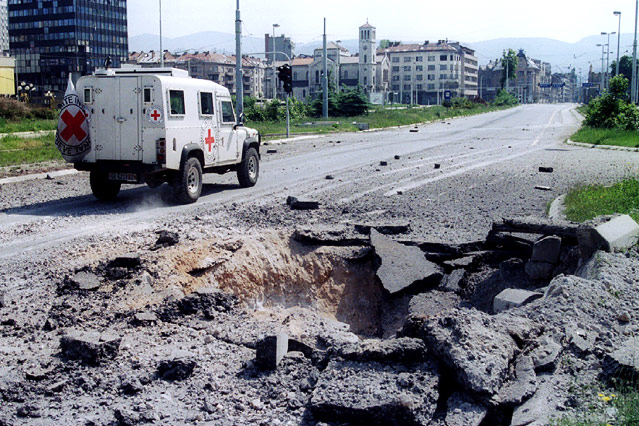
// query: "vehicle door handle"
[[120, 120]]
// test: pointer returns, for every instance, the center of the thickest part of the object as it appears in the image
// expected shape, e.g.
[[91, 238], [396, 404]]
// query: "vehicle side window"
[[87, 96], [227, 112], [176, 101], [147, 95], [206, 103]]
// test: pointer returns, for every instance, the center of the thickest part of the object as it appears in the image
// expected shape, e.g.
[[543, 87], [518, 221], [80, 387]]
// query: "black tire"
[[187, 184], [103, 188], [249, 169]]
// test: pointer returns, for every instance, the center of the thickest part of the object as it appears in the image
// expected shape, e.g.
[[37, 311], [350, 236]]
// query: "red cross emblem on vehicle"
[[155, 115], [73, 126], [210, 140]]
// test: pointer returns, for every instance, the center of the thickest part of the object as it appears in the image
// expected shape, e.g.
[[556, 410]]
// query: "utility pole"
[[239, 80], [618, 41], [633, 86], [325, 77], [161, 48], [273, 60]]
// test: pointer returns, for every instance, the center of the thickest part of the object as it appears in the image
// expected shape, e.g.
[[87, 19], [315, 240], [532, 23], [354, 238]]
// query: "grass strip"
[[607, 137], [587, 202], [30, 125], [14, 150]]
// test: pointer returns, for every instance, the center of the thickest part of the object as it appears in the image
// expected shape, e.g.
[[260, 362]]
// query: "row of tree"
[[345, 103]]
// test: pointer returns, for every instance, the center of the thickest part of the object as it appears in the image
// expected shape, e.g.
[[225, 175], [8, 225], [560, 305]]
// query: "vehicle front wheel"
[[187, 184], [249, 169], [102, 187]]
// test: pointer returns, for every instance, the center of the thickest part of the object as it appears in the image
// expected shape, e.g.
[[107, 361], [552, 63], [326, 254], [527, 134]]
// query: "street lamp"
[[602, 79], [273, 50], [161, 47], [617, 13], [633, 86], [608, 55]]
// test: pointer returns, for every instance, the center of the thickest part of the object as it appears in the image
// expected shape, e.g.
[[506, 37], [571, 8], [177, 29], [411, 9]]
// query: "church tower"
[[367, 57]]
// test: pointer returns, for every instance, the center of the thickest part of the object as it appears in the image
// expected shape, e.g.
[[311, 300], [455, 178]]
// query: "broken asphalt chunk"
[[386, 229], [297, 204], [329, 235], [90, 347], [513, 298], [86, 281], [546, 169], [463, 411], [166, 239], [270, 350], [437, 165], [543, 188], [477, 347], [374, 393], [176, 369], [403, 268], [129, 261], [383, 163], [271, 151]]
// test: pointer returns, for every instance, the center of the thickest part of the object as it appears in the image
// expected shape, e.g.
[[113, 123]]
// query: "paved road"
[[488, 168]]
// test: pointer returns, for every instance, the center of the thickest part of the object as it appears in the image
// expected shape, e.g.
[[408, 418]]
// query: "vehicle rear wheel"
[[102, 187], [187, 184], [249, 169]]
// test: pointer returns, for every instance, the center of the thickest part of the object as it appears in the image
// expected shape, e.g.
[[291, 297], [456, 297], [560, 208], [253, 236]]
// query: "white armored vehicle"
[[160, 125]]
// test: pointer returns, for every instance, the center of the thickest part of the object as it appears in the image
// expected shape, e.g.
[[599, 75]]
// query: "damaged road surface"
[[401, 298]]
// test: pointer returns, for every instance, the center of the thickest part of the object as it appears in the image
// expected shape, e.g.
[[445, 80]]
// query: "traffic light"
[[286, 77]]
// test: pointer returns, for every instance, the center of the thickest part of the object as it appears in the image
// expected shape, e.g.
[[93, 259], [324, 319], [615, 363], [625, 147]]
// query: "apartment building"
[[532, 82], [423, 73], [210, 66]]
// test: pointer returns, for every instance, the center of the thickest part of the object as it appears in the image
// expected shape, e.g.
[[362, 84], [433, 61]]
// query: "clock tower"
[[367, 57]]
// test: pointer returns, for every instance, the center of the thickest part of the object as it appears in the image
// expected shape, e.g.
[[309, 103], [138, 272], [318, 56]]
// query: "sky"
[[405, 20]]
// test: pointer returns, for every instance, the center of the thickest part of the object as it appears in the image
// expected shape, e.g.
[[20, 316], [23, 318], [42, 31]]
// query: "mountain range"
[[561, 55]]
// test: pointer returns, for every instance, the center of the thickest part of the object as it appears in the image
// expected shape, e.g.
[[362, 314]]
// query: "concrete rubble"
[[461, 334], [403, 269]]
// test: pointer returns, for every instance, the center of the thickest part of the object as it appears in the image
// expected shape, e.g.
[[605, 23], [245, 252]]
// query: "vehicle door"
[[210, 132], [128, 129], [228, 139], [115, 120]]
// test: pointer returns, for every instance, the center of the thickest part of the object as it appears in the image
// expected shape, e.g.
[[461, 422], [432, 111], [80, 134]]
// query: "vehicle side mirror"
[[240, 121]]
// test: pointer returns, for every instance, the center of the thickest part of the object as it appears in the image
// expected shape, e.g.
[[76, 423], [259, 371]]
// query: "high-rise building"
[[4, 28], [280, 44], [52, 39]]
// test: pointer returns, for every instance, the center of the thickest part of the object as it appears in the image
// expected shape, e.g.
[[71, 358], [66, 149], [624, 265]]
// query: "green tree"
[[625, 67], [612, 109], [385, 44], [352, 102], [504, 98], [509, 63]]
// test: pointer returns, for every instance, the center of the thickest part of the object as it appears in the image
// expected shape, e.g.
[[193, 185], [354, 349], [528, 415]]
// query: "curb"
[[608, 147], [294, 139], [28, 134], [51, 175], [557, 208]]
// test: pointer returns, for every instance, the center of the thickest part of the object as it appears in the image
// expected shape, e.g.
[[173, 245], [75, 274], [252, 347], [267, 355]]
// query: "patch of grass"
[[587, 202], [607, 137], [26, 125], [377, 118], [616, 408], [14, 150]]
